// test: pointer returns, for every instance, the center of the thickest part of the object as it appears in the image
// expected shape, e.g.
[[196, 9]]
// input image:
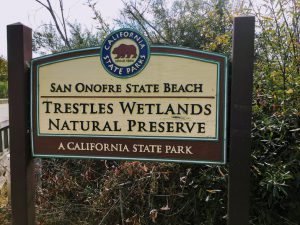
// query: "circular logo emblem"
[[125, 53]]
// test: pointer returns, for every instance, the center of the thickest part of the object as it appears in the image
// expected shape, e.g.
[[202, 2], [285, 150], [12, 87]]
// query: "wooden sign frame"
[[22, 164]]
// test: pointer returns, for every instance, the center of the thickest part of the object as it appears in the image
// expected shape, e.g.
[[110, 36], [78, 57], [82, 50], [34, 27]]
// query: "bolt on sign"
[[129, 100]]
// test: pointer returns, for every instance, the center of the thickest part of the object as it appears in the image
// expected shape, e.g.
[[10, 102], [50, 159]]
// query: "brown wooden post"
[[19, 45], [240, 120]]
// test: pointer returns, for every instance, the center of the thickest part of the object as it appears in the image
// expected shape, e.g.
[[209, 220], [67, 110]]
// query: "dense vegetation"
[[108, 192], [3, 78]]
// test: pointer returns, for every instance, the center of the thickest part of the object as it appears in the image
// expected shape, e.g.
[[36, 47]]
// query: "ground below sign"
[[169, 105]]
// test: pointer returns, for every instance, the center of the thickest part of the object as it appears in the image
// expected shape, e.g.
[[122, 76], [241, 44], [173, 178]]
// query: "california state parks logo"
[[125, 53]]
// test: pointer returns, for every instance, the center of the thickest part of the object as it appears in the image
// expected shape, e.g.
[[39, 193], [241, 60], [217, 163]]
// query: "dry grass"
[[5, 212]]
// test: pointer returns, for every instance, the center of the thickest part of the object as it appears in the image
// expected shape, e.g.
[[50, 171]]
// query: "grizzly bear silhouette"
[[125, 51]]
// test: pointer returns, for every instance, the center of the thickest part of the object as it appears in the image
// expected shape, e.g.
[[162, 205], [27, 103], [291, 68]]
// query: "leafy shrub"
[[3, 89]]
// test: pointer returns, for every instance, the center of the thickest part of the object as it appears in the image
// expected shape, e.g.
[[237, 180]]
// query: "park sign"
[[128, 100], [132, 101]]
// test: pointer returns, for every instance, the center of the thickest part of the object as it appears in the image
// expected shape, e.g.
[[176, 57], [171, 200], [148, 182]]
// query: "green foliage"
[[3, 89], [204, 25], [3, 78], [278, 53], [275, 134], [3, 68], [47, 40]]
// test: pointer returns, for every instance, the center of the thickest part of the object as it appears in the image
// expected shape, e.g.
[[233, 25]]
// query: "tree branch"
[[42, 4], [150, 25], [104, 26], [63, 18], [52, 13], [140, 23]]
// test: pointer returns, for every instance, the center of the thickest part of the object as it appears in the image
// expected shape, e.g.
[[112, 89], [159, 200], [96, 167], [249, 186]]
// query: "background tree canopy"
[[107, 192], [3, 78]]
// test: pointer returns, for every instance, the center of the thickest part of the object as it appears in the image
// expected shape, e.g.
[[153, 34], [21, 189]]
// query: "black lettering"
[[56, 125], [127, 107], [47, 106], [52, 89], [207, 108]]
